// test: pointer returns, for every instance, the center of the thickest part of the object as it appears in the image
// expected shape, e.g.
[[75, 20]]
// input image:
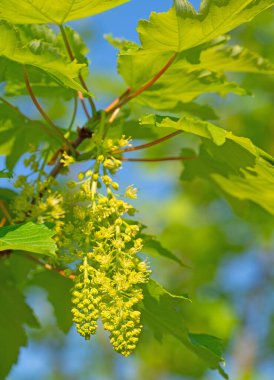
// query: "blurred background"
[[228, 251]]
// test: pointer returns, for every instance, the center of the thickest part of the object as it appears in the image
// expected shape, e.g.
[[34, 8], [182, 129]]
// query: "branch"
[[5, 211], [83, 134], [72, 58], [40, 109], [50, 267], [157, 159], [118, 103], [82, 100], [143, 146]]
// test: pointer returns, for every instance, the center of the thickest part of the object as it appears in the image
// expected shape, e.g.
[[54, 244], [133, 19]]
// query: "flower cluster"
[[37, 201], [110, 273]]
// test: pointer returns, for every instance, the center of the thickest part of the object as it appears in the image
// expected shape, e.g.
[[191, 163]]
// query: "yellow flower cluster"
[[85, 299], [37, 202], [111, 274]]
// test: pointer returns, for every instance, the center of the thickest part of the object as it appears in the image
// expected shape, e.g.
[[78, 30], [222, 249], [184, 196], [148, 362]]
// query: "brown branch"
[[40, 109], [83, 134], [72, 58], [3, 222], [143, 88], [112, 105], [143, 146], [50, 267], [82, 100], [156, 159], [5, 212]]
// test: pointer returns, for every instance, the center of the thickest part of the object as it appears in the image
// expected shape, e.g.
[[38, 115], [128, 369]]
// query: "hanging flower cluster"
[[110, 273]]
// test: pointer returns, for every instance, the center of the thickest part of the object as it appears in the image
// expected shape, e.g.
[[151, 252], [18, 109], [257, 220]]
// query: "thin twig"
[[49, 266], [143, 146], [5, 212], [72, 58], [117, 100], [40, 109], [83, 134], [157, 159], [142, 88], [82, 100]]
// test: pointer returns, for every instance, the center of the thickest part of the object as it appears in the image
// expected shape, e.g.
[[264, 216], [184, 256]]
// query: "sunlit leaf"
[[22, 45], [30, 237], [181, 28], [233, 163], [51, 11]]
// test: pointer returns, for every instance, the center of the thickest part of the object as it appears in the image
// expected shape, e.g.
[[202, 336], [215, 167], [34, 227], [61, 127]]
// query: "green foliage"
[[4, 173], [194, 72], [80, 234], [162, 311], [181, 28], [21, 45], [19, 134], [28, 237], [43, 12], [16, 314], [232, 163]]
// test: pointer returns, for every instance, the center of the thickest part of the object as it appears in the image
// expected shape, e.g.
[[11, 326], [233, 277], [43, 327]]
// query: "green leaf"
[[30, 237], [163, 313], [7, 195], [15, 313], [51, 11], [233, 164], [181, 28], [150, 243], [42, 82], [58, 290], [35, 46], [5, 173], [230, 58], [18, 134]]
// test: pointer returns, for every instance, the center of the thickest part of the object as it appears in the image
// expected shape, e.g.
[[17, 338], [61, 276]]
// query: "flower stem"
[[157, 159], [143, 146], [40, 109]]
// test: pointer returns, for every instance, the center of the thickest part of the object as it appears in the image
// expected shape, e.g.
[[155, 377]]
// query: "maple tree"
[[82, 236]]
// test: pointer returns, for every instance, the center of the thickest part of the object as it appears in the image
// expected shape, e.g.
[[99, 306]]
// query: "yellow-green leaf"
[[30, 237], [180, 29], [52, 11]]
